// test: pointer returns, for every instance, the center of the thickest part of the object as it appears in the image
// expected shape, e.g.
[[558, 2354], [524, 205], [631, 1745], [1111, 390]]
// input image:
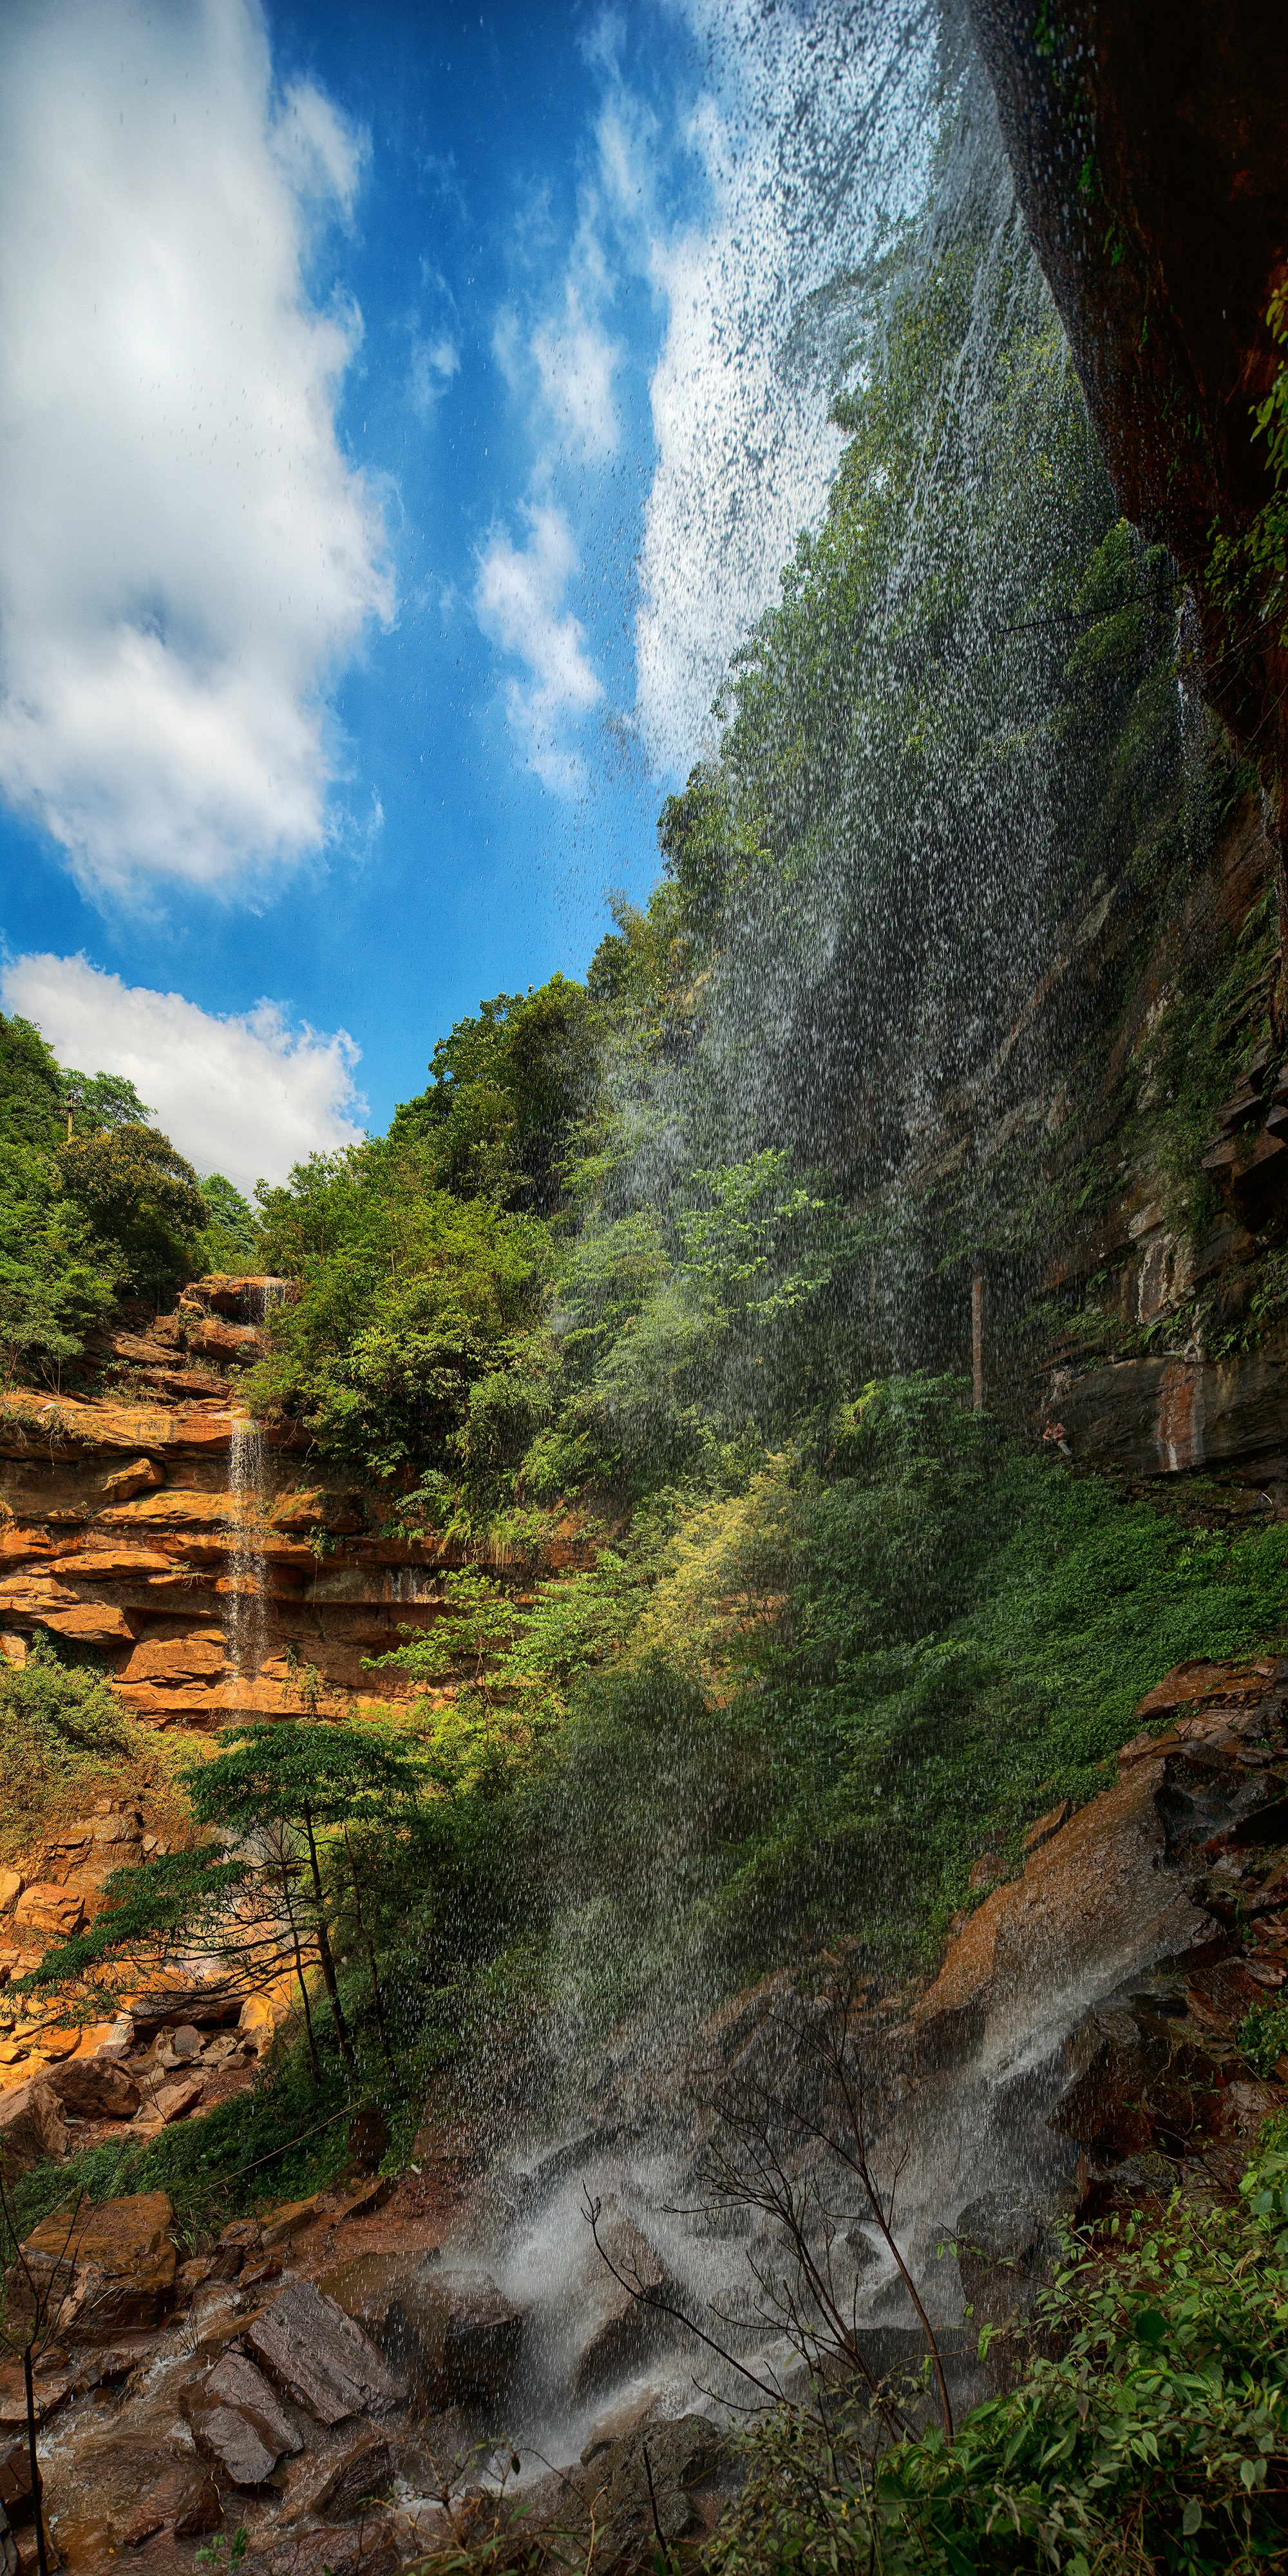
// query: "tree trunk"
[[370, 1948], [37, 2488], [324, 1953]]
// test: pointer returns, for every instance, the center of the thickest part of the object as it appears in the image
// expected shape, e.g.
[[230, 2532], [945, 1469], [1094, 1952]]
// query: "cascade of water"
[[244, 1612]]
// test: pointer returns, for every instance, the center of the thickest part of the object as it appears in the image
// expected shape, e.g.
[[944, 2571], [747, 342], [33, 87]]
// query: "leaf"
[[1192, 2517], [1150, 2327]]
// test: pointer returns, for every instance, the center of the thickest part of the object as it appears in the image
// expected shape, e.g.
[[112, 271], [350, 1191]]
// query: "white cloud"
[[186, 556], [518, 600], [247, 1095], [576, 364]]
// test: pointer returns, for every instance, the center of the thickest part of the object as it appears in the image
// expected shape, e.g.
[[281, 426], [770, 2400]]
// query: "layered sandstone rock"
[[182, 1543]]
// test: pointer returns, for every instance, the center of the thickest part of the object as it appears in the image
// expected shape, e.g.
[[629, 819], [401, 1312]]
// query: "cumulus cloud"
[[246, 1095], [519, 603], [186, 555]]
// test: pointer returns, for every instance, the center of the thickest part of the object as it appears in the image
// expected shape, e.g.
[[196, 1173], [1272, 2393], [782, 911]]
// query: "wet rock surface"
[[321, 2358]]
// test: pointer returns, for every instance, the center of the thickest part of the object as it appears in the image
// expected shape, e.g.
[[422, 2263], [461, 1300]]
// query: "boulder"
[[237, 2421], [170, 2102], [31, 2127], [684, 2457], [460, 2336], [367, 2286], [95, 2088], [114, 2265], [364, 2472], [184, 2502], [625, 2329], [15, 2479], [57, 1913], [321, 2358], [10, 1888]]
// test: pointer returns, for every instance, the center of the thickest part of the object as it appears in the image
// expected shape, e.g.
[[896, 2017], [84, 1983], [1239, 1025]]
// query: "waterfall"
[[244, 1613]]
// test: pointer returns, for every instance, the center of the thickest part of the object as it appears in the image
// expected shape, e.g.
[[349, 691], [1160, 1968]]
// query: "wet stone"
[[238, 2421], [364, 2473], [321, 2358], [626, 2330], [462, 2338], [185, 2502]]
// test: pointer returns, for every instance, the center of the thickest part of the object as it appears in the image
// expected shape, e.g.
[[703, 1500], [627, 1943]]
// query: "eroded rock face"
[[1162, 266]]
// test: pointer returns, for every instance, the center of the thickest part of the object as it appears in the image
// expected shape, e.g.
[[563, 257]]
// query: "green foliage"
[[509, 1089], [101, 1101], [409, 1298], [1248, 573], [230, 1236], [914, 1653], [1157, 2441], [63, 1733], [58, 1278], [1263, 2036], [138, 1192]]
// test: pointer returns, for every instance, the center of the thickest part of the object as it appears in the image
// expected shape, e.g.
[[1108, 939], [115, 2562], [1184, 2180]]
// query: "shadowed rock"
[[461, 2337], [626, 2330], [185, 2502], [94, 2088]]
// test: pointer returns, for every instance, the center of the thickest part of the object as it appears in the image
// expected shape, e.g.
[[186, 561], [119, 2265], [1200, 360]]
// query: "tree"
[[287, 1809], [231, 1236], [300, 1786], [103, 1101], [138, 1190]]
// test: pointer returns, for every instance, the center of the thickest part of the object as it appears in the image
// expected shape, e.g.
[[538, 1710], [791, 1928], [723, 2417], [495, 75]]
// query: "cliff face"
[[213, 1568], [1146, 139]]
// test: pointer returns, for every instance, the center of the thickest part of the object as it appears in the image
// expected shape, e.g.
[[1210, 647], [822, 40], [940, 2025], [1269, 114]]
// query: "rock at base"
[[117, 2263], [626, 2329], [461, 2337], [365, 2550], [321, 2358], [681, 2458], [237, 2421], [94, 2088], [363, 2473], [184, 2503], [31, 2126], [173, 2102]]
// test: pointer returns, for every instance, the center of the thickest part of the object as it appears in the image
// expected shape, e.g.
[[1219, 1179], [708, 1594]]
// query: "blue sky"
[[407, 408]]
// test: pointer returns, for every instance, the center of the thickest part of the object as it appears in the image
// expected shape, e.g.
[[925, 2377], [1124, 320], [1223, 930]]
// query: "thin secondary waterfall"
[[244, 1612]]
